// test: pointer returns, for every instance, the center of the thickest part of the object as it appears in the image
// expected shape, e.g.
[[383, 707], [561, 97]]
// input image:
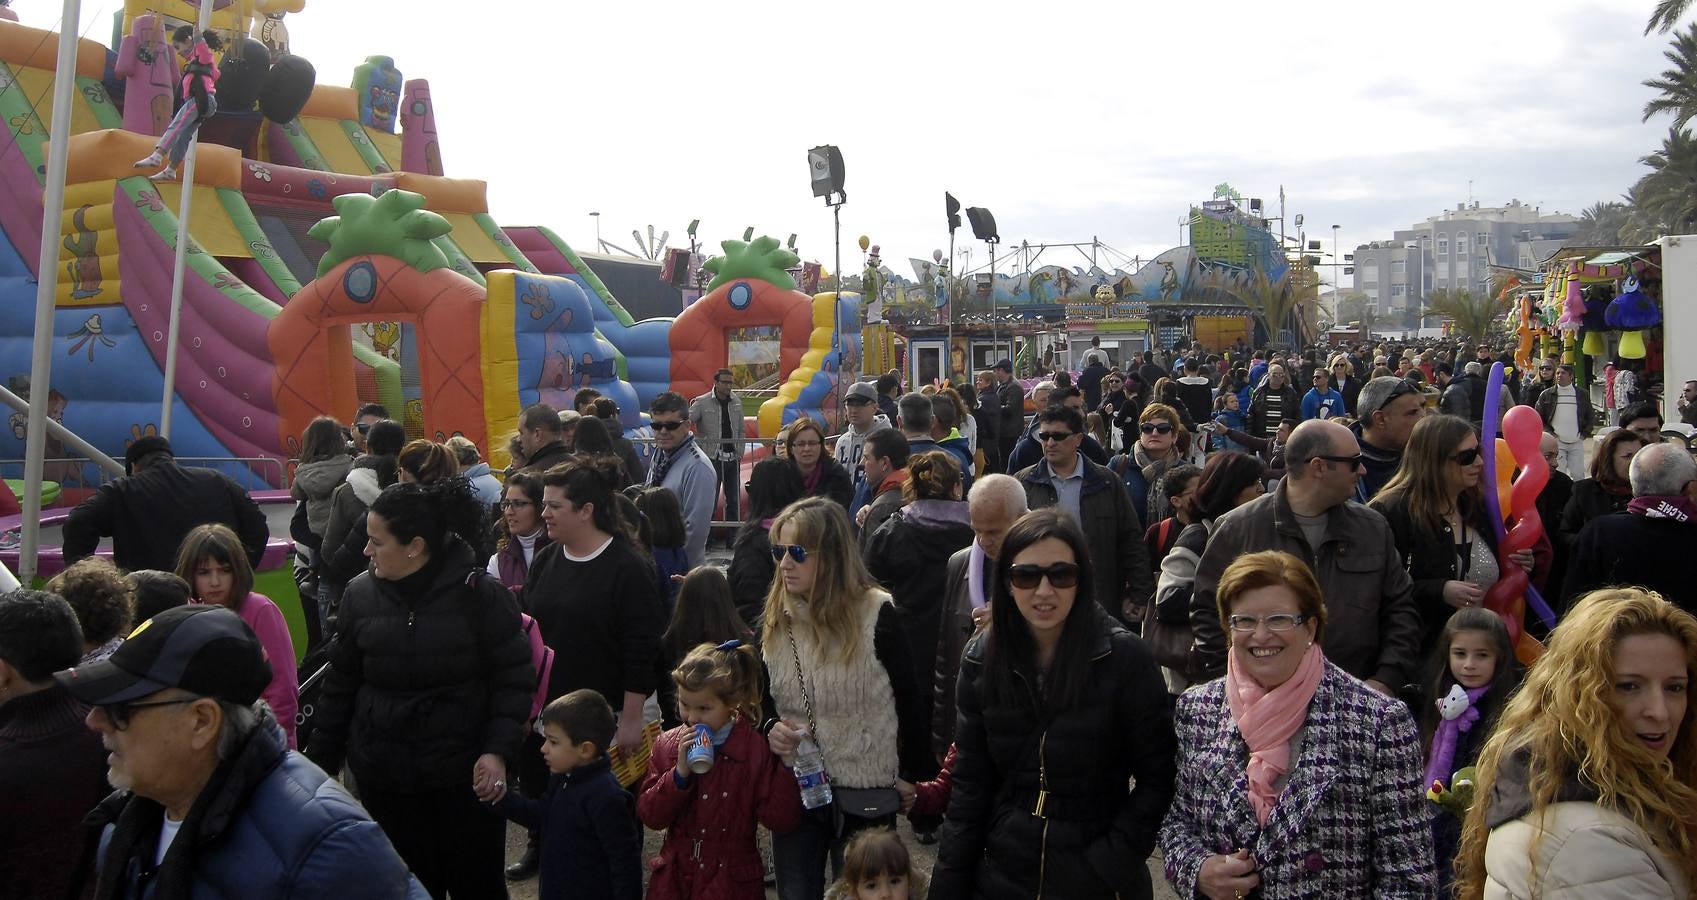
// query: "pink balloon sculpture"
[[1522, 429]]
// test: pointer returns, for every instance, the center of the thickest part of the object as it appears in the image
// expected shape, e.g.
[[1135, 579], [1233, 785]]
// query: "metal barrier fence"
[[251, 472]]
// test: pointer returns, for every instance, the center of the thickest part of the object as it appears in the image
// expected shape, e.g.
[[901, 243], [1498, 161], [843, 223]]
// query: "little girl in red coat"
[[709, 818]]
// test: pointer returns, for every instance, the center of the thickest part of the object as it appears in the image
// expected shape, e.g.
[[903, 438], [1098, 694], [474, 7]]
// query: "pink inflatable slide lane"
[[20, 199], [224, 365], [540, 251]]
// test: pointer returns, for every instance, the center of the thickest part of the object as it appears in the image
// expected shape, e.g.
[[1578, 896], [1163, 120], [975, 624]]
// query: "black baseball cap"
[[1005, 365], [205, 650]]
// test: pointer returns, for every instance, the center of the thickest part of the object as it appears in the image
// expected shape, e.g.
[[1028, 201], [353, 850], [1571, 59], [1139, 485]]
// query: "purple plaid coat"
[[1352, 822]]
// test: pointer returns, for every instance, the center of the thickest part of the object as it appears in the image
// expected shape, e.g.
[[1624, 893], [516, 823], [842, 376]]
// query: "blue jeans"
[[799, 856]]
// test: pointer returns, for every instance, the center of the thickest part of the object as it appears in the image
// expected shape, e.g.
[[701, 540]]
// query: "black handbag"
[[861, 803]]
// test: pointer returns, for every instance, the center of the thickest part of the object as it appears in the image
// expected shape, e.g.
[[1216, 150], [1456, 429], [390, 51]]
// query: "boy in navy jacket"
[[591, 846]]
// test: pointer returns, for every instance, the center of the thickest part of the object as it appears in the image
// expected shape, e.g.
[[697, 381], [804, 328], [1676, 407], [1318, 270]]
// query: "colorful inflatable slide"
[[331, 263]]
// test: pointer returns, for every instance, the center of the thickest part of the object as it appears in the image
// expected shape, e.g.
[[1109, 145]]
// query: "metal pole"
[[994, 326], [949, 313], [181, 260], [66, 435], [47, 287], [837, 299]]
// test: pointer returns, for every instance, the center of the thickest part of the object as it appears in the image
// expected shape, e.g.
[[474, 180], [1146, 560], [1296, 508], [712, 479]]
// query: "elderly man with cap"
[[157, 502], [210, 800]]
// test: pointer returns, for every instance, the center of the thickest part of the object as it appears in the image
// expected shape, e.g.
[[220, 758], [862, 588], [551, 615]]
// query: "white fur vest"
[[852, 702]]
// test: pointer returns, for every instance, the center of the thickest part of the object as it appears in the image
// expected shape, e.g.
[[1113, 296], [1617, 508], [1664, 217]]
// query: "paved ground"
[[923, 855]]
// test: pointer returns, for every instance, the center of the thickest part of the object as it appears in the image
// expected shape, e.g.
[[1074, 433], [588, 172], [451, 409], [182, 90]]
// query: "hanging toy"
[[1457, 712], [1632, 311]]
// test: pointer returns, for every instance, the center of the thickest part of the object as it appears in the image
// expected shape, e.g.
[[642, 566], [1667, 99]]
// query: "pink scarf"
[[1267, 719]]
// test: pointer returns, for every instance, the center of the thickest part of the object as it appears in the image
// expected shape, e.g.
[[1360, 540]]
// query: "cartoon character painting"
[[84, 267], [1169, 281]]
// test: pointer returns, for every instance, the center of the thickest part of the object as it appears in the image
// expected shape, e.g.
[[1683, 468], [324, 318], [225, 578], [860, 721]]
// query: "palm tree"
[[1666, 15], [1602, 223], [1677, 87], [1668, 194], [1474, 316], [1272, 300]]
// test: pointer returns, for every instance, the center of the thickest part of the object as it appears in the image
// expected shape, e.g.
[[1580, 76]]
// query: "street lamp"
[[597, 217]]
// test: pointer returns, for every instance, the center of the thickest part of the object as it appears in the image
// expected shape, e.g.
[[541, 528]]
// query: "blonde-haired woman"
[[1588, 786], [840, 670], [1162, 442], [1344, 380]]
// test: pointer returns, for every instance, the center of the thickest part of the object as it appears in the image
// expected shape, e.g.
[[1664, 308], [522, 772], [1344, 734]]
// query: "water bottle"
[[810, 773]]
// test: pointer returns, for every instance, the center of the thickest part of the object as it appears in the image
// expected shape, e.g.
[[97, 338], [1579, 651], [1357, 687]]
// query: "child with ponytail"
[[712, 779], [199, 96]]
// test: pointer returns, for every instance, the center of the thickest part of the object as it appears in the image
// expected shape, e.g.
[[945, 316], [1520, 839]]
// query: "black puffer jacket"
[[1096, 834], [835, 482], [427, 674], [909, 555], [751, 573]]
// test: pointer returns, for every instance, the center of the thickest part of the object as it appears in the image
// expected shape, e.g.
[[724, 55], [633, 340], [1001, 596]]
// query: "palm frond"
[[1666, 15]]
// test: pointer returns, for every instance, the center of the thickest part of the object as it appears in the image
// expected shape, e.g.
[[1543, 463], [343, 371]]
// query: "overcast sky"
[[1066, 119]]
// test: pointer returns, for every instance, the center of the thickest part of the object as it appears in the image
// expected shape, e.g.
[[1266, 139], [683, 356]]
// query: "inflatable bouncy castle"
[[332, 262]]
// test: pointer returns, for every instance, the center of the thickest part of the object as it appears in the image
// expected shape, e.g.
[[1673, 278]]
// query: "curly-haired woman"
[[1588, 786], [103, 601]]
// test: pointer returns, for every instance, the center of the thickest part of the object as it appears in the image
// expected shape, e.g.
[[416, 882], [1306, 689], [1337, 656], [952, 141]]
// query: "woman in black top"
[[821, 475], [773, 485], [1437, 516], [1609, 488], [429, 686]]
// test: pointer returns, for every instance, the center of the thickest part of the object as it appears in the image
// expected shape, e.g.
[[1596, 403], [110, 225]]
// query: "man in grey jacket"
[[717, 419], [680, 466], [1373, 627]]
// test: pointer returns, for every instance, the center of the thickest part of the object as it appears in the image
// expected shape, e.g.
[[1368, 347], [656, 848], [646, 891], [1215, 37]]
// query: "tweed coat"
[[1352, 822]]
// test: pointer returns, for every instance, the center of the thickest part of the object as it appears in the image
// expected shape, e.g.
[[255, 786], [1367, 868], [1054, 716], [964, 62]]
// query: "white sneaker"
[[169, 174], [153, 161]]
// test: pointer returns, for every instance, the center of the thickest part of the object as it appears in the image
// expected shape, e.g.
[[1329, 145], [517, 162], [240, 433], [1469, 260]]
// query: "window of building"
[[1398, 290], [1483, 238], [1399, 267], [1443, 270], [1370, 272], [1461, 243], [1443, 245]]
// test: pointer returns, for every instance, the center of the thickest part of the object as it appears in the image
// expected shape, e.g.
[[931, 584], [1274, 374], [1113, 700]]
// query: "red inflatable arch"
[[698, 341]]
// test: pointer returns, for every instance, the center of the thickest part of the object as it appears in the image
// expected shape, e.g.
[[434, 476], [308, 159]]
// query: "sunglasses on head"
[[796, 551], [1155, 428], [666, 426], [1466, 457], [1060, 575]]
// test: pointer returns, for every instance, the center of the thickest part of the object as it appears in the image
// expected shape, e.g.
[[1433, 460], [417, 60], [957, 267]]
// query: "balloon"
[[1505, 475], [1488, 443], [864, 243], [286, 91], [1508, 598], [936, 256]]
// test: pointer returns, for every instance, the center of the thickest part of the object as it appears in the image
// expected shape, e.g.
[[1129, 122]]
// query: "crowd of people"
[[1179, 609]]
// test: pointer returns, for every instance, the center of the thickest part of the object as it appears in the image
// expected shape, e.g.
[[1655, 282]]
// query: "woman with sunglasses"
[[1160, 435], [1120, 409], [1294, 779], [839, 669], [821, 475], [1060, 709], [1437, 516]]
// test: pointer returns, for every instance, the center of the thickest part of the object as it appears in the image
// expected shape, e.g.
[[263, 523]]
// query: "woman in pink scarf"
[[1295, 779], [821, 475]]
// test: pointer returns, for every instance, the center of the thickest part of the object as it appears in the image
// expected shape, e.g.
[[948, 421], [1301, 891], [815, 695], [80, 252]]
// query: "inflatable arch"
[[312, 343]]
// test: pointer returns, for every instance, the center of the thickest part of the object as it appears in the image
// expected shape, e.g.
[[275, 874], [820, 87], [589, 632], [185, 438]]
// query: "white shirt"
[[1565, 420], [167, 833]]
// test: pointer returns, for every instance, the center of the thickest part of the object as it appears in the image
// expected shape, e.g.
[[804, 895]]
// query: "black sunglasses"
[[122, 713], [796, 551], [1155, 428], [363, 427], [1403, 387], [1045, 437], [1353, 462], [666, 426], [1060, 575], [1466, 457]]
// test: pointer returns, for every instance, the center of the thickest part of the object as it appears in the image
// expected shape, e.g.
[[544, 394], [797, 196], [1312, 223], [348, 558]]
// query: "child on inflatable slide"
[[199, 85]]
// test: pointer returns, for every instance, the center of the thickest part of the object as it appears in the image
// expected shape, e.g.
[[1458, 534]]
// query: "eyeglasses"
[[1467, 457], [666, 426], [1114, 382], [1155, 428], [1354, 462], [796, 551], [1045, 437], [1274, 622], [363, 427], [122, 713], [515, 504], [1060, 575]]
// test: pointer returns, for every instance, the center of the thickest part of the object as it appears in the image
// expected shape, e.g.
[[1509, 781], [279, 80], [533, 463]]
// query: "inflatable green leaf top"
[[395, 225], [763, 259]]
